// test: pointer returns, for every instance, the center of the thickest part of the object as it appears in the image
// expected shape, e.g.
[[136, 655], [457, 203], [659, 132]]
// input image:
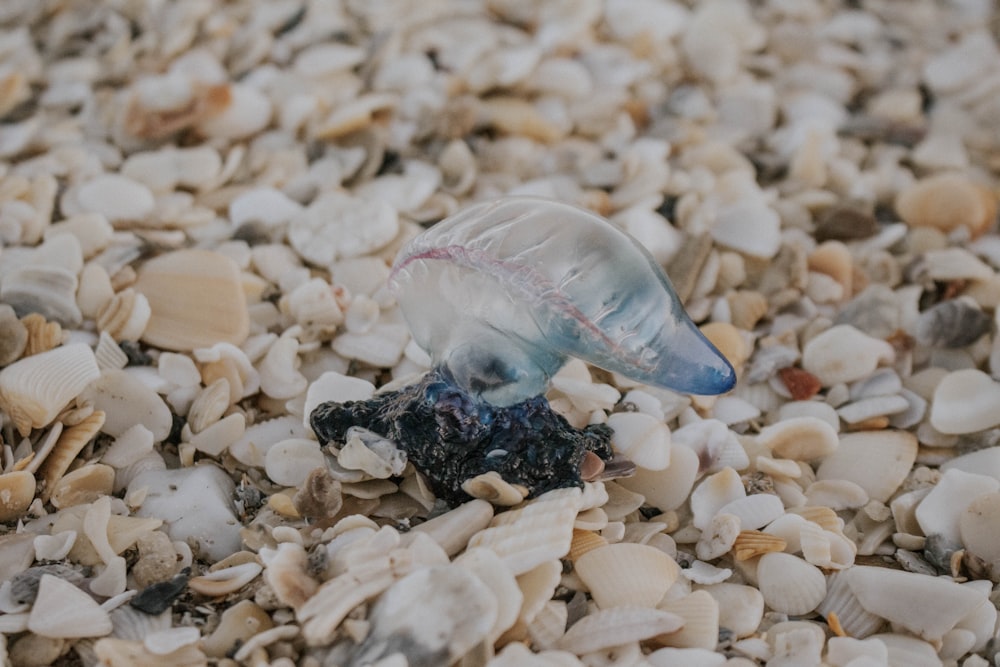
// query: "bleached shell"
[[855, 620], [34, 389], [279, 374], [715, 444], [844, 354], [940, 510], [118, 198], [549, 624], [666, 489], [71, 441], [196, 298], [713, 493], [977, 527], [700, 612], [127, 401], [985, 461], [642, 439], [487, 566], [225, 581], [701, 572], [94, 289], [91, 230], [755, 511], [869, 408], [718, 538], [837, 494], [453, 529], [926, 606], [537, 586], [626, 574], [538, 532], [741, 607], [61, 610], [109, 354], [381, 347], [290, 461], [493, 488], [124, 316], [129, 447], [83, 485], [907, 650], [209, 405], [251, 448], [613, 627], [336, 225], [800, 438], [877, 461], [47, 290], [789, 584], [965, 401], [17, 490]]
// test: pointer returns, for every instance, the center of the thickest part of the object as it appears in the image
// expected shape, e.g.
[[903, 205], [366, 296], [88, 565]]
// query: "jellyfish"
[[500, 295]]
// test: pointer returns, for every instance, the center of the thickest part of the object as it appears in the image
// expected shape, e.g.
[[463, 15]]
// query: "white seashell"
[[713, 493], [372, 454], [290, 461], [108, 354], [844, 354], [734, 410], [755, 511], [837, 494], [701, 572], [381, 347], [47, 290], [336, 225], [666, 489], [869, 408], [225, 581], [926, 606], [61, 610], [251, 448], [453, 529], [126, 401], [118, 198], [538, 532], [620, 501], [816, 409], [91, 230], [965, 401], [840, 600], [488, 567], [314, 306], [549, 624], [165, 642], [789, 584], [718, 538], [218, 437], [983, 462], [208, 406], [741, 607], [493, 488], [94, 289], [686, 657], [54, 547], [700, 612], [800, 438], [263, 205], [124, 316], [614, 627], [976, 526], [538, 585], [877, 461], [34, 389], [248, 112], [626, 574], [940, 510], [642, 439], [279, 375]]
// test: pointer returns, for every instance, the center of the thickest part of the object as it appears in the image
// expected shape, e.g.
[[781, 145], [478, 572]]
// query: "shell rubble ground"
[[199, 204]]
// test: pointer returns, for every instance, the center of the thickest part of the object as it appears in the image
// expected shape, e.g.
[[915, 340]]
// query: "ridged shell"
[[789, 584], [549, 625], [700, 612], [72, 440], [42, 334], [17, 490], [614, 627], [124, 316], [854, 619], [752, 543], [584, 541], [627, 574], [34, 389], [108, 353]]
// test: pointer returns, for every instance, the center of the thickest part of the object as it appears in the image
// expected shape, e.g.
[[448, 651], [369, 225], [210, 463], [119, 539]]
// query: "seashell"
[[209, 406], [824, 517], [49, 291], [700, 612], [548, 625], [614, 627], [34, 389], [746, 308], [61, 610], [732, 410], [13, 335], [641, 438], [538, 532], [381, 347], [741, 607], [251, 448], [844, 354], [380, 458], [840, 601], [225, 581], [867, 409], [984, 462], [718, 538], [948, 264], [964, 402], [491, 487], [313, 304], [538, 585], [877, 461], [713, 493], [626, 574], [127, 401], [125, 315], [701, 572], [70, 443], [95, 289], [336, 225], [976, 526], [42, 335], [439, 613], [290, 461], [947, 201], [789, 584], [109, 354], [17, 490], [458, 167], [755, 511], [129, 447], [237, 624], [453, 529], [950, 324], [729, 341], [832, 258], [926, 606], [941, 509], [461, 254], [486, 565], [165, 642], [218, 437], [752, 543], [837, 494], [83, 485], [716, 446], [196, 298], [907, 650]]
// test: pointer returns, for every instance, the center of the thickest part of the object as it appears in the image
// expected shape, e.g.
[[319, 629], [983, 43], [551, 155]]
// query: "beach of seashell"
[[217, 218]]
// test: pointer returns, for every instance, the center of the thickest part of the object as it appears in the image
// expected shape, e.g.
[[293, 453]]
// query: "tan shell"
[[614, 627], [225, 581], [627, 574], [42, 334], [125, 315], [72, 440], [584, 541], [799, 438], [453, 529], [209, 406], [746, 308], [752, 543], [196, 298], [34, 389], [83, 485], [700, 612], [493, 488], [729, 341], [947, 201], [17, 490], [789, 584], [287, 576]]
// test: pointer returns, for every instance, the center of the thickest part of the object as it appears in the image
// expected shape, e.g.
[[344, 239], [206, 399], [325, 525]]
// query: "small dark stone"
[[953, 323], [846, 222], [450, 437], [158, 597], [24, 585], [136, 355]]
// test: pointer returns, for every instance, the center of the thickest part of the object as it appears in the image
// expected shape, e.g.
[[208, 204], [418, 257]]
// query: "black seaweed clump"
[[451, 437]]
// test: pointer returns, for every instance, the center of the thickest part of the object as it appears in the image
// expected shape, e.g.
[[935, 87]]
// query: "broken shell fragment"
[[17, 490], [614, 627], [61, 610], [626, 574]]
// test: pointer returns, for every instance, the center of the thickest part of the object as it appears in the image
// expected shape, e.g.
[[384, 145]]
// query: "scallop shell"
[[72, 440], [642, 439], [584, 541], [61, 610], [17, 490], [559, 307], [614, 627], [109, 354], [626, 574], [34, 389], [42, 334], [753, 543], [789, 584], [125, 315], [549, 625], [700, 612], [854, 619]]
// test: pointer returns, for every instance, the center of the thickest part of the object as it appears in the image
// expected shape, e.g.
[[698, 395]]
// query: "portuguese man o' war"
[[500, 295]]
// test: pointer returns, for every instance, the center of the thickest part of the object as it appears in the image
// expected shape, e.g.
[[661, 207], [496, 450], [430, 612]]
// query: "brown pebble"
[[801, 384], [846, 222], [320, 495], [591, 467]]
